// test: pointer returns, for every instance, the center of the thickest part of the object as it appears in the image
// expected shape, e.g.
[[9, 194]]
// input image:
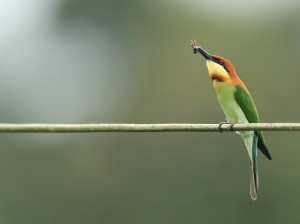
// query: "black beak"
[[201, 51]]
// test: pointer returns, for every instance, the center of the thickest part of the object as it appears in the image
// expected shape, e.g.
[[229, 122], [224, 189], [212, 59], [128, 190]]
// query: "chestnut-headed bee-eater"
[[238, 106]]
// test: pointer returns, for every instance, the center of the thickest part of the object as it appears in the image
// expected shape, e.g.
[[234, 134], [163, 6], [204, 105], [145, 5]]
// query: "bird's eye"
[[221, 62]]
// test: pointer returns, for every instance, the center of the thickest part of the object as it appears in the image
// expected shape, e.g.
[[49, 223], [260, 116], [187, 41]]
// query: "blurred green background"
[[87, 61]]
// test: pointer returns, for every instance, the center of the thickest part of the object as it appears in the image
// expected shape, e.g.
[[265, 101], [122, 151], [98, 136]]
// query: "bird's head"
[[218, 67]]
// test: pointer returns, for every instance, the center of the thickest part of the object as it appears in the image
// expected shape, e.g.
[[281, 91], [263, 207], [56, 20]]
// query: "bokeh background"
[[87, 61]]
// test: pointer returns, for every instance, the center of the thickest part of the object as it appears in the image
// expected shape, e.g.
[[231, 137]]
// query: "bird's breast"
[[228, 103]]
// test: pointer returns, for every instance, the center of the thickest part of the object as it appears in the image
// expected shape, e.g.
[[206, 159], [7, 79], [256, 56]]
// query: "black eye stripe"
[[220, 62]]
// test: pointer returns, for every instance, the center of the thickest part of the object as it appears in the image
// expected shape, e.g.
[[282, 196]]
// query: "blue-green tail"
[[253, 166]]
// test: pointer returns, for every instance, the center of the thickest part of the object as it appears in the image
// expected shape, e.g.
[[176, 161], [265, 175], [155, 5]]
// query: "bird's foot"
[[219, 127], [231, 126]]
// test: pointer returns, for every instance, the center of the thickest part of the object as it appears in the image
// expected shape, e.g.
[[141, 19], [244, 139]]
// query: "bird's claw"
[[219, 127], [231, 126]]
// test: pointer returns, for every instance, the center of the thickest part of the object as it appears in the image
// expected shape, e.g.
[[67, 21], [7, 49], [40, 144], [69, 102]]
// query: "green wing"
[[247, 104]]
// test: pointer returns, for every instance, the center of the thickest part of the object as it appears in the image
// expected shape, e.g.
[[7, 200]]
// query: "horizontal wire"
[[42, 128]]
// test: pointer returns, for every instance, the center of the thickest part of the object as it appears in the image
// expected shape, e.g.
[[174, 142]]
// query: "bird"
[[238, 107]]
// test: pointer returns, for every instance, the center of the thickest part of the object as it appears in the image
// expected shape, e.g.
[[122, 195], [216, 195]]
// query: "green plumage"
[[246, 103], [238, 106]]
